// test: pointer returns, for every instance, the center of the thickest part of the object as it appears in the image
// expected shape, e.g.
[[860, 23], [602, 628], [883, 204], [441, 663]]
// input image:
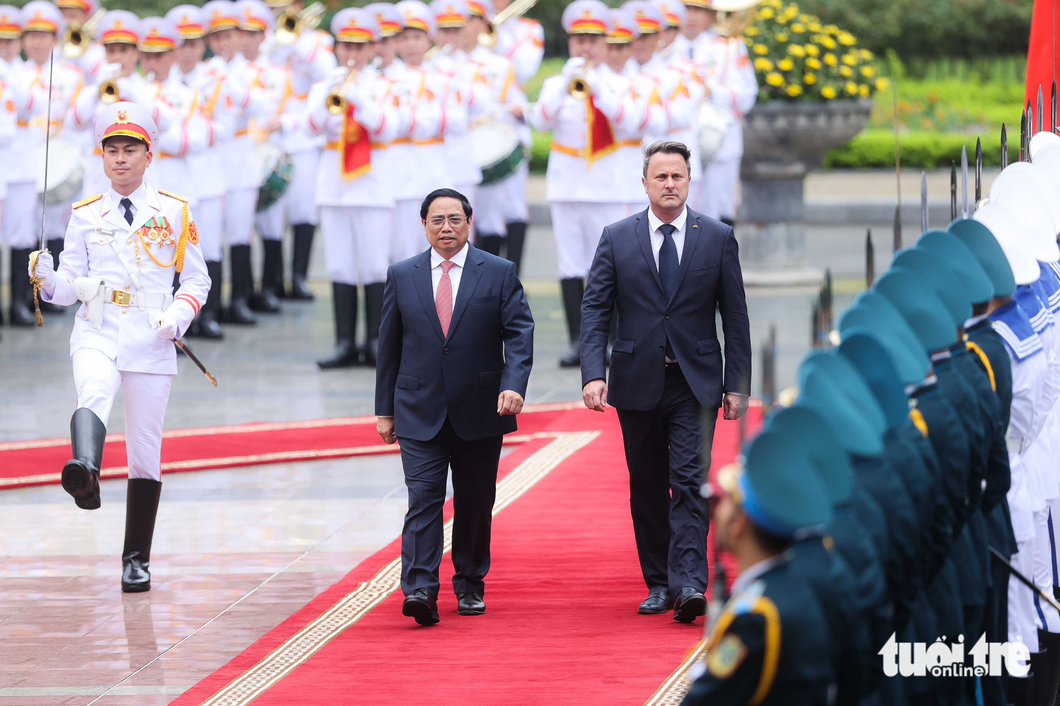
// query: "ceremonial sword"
[[1023, 579], [36, 281], [180, 344]]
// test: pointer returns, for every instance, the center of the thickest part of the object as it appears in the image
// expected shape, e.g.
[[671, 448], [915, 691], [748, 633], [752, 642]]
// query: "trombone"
[[290, 23], [77, 37], [518, 8]]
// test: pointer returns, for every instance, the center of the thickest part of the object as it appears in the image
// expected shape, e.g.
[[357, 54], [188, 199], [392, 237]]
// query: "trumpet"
[[518, 8], [579, 88], [290, 23], [437, 52], [108, 91], [336, 101], [77, 37]]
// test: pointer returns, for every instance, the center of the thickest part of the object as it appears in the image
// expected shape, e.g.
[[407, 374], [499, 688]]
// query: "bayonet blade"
[[964, 182], [1004, 147], [978, 170], [1052, 110], [896, 243], [953, 192], [1039, 124], [923, 203], [870, 260], [1023, 132]]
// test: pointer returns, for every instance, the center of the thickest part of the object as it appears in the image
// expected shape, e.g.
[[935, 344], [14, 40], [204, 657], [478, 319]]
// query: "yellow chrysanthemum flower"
[[847, 39], [774, 3], [868, 71], [781, 37], [766, 13], [828, 93], [785, 64], [805, 19], [882, 84], [831, 29], [751, 31], [814, 64], [798, 28], [774, 79], [828, 43], [813, 50], [864, 91], [797, 50], [813, 26], [760, 49], [865, 54], [846, 71], [763, 64], [782, 19], [809, 79], [850, 59], [831, 59], [851, 88], [794, 91]]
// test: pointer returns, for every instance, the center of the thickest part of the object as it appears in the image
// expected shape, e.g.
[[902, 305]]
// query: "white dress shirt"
[[138, 198], [654, 223], [454, 272]]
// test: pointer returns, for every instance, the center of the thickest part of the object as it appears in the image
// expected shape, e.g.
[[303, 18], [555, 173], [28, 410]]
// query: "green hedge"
[[921, 150]]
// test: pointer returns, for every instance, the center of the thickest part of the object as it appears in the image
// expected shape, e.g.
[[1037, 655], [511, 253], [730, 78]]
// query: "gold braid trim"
[[182, 244]]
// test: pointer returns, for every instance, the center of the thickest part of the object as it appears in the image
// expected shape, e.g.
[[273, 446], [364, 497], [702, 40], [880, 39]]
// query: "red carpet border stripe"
[[673, 690], [355, 605]]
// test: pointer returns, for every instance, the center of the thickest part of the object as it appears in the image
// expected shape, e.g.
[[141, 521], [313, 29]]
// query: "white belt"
[[141, 300], [1017, 444]]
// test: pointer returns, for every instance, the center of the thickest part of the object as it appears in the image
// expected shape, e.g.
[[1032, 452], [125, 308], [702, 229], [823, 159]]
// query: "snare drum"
[[276, 169], [497, 150], [66, 171]]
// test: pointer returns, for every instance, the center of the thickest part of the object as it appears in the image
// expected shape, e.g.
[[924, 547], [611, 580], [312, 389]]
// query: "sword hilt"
[[37, 283]]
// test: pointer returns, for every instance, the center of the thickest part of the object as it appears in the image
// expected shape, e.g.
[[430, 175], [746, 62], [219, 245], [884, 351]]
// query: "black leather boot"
[[22, 313], [373, 316], [205, 324], [516, 239], [572, 290], [141, 508], [303, 247], [81, 473], [1047, 673], [55, 247], [345, 304], [489, 243], [242, 286], [266, 300]]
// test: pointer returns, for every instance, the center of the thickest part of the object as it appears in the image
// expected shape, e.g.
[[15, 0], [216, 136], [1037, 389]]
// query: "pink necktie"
[[443, 301]]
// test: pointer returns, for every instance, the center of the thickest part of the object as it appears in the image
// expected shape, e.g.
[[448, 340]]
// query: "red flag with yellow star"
[[356, 147]]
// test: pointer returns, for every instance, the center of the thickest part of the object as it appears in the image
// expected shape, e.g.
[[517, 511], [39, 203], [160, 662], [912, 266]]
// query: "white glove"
[[167, 326], [45, 270], [575, 66]]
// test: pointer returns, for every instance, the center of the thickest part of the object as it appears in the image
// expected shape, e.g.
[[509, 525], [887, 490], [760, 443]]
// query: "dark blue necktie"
[[126, 204], [668, 267]]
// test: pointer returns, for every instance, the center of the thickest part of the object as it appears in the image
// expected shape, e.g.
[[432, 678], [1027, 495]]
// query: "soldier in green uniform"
[[767, 647]]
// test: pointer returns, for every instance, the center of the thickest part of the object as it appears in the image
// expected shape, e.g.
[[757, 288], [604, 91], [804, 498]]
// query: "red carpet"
[[41, 461], [562, 593]]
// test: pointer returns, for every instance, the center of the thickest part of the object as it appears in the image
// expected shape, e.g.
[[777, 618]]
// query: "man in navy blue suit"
[[667, 271], [456, 345]]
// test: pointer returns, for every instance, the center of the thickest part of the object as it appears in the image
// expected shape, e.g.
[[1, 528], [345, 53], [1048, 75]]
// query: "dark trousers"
[[664, 447], [426, 465]]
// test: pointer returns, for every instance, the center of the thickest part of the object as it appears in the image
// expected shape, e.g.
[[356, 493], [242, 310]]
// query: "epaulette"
[[90, 199], [1016, 330], [174, 196]]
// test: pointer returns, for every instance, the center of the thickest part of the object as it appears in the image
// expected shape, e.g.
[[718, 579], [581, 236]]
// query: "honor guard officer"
[[767, 647], [89, 57], [732, 87], [10, 42], [10, 65], [502, 213], [356, 204], [43, 24], [433, 113], [208, 187], [122, 250], [273, 90], [521, 40], [589, 109]]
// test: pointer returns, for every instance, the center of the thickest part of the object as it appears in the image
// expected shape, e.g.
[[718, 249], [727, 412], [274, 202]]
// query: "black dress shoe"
[[470, 604], [689, 605], [573, 357], [82, 482], [421, 606], [658, 601]]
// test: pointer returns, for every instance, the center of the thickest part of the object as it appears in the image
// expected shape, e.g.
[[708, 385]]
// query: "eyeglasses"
[[454, 221]]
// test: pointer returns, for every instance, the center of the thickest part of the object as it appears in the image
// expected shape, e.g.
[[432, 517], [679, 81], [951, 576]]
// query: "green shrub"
[[920, 150]]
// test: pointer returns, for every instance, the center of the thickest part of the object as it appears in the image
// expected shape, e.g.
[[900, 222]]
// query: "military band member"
[[122, 250], [582, 183], [10, 64], [353, 195], [207, 188], [522, 41], [94, 57], [10, 42], [21, 227], [732, 85]]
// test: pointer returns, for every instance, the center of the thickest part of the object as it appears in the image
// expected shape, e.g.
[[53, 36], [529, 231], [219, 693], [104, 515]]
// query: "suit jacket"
[[624, 275], [422, 376]]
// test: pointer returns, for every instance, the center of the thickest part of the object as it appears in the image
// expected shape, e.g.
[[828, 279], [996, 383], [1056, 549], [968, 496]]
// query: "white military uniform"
[[468, 100], [114, 340], [276, 91], [245, 104], [522, 41], [187, 134], [732, 85]]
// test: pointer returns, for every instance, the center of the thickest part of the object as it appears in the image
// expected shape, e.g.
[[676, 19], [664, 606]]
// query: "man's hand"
[[45, 270], [594, 395], [385, 427], [168, 328], [735, 406], [509, 403]]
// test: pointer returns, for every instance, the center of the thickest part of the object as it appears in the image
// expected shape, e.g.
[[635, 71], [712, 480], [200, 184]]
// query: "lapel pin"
[[695, 226]]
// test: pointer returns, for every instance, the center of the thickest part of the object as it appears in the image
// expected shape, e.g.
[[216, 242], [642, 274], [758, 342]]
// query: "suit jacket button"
[[667, 317], [446, 351], [662, 348]]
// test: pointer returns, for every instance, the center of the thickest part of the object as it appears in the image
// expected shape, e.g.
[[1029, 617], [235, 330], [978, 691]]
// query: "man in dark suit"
[[455, 349], [667, 271]]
